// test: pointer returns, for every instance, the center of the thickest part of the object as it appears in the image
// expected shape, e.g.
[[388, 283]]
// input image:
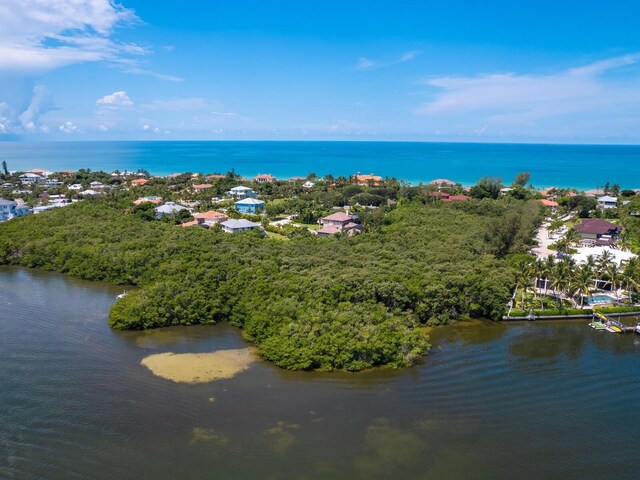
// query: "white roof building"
[[238, 225], [169, 209]]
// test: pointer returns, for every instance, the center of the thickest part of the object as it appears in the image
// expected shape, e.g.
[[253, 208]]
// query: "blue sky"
[[565, 72]]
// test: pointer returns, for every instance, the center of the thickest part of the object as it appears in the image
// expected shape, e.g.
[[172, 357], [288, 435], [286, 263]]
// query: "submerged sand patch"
[[199, 367]]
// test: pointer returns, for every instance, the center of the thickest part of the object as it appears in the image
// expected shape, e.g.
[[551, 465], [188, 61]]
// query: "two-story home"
[[241, 192], [264, 178], [210, 218], [250, 205], [31, 179], [606, 202], [338, 222], [598, 231], [10, 209]]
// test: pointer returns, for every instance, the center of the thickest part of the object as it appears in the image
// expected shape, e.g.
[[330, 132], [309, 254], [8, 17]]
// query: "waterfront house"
[[264, 178], [139, 182], [31, 179], [169, 209], [442, 183], [241, 192], [596, 192], [238, 225], [371, 179], [598, 231], [10, 209], [250, 205], [606, 202], [201, 187], [210, 218]]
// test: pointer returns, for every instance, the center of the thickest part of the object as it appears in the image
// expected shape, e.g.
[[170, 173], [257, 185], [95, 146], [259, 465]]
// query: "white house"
[[88, 192], [241, 191], [606, 202], [31, 179], [10, 209], [97, 185], [238, 225], [76, 187], [308, 184], [169, 209]]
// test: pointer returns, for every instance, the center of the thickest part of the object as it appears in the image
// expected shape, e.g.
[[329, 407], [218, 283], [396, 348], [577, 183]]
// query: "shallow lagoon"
[[492, 401]]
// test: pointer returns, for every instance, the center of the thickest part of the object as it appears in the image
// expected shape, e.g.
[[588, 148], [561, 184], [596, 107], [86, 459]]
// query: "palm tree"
[[561, 278], [581, 282], [523, 276], [630, 276], [613, 276]]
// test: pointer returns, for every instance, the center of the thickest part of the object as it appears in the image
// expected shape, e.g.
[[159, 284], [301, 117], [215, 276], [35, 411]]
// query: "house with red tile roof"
[[264, 178], [210, 218], [201, 187], [138, 182], [456, 198], [370, 179]]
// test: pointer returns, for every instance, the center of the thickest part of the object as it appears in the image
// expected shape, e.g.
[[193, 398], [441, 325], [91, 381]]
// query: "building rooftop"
[[597, 226], [210, 215], [239, 223], [250, 201], [337, 217]]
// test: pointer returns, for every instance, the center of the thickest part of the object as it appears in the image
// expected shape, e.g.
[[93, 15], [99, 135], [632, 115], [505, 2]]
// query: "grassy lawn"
[[277, 236]]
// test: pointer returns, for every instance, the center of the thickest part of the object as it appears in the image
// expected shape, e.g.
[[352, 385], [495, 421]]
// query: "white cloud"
[[365, 63], [145, 127], [526, 97], [41, 35], [103, 128], [116, 99], [69, 127], [225, 114]]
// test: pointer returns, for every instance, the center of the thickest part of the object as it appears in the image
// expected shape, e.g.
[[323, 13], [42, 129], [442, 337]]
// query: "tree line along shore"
[[348, 302]]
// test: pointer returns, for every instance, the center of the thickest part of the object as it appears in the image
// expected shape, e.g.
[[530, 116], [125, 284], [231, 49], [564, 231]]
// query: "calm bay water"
[[492, 401], [581, 166]]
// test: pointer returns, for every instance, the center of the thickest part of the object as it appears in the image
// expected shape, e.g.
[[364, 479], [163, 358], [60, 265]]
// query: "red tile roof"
[[202, 186], [337, 217], [210, 215], [139, 181], [548, 203], [456, 198]]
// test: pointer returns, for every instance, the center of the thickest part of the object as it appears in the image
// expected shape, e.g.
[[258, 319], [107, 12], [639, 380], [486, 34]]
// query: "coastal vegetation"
[[340, 302]]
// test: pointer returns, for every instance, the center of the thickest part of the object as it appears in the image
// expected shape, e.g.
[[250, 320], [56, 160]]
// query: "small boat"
[[614, 329], [638, 328], [122, 295], [598, 325]]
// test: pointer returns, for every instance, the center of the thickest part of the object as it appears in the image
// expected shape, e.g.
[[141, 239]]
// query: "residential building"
[[264, 178], [238, 225], [10, 209], [169, 209], [97, 185], [201, 187], [241, 192], [371, 179], [88, 192], [308, 184], [456, 198], [152, 199], [606, 202], [250, 205], [139, 182], [442, 183], [338, 222], [210, 218], [31, 179], [596, 192], [552, 205], [76, 187], [598, 231]]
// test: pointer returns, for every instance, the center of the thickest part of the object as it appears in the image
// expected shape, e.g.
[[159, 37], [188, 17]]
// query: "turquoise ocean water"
[[581, 166]]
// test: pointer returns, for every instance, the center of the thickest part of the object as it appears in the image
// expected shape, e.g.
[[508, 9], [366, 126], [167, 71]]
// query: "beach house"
[[371, 179], [250, 205], [241, 192], [238, 225], [264, 178], [598, 231], [606, 202], [10, 209], [31, 179]]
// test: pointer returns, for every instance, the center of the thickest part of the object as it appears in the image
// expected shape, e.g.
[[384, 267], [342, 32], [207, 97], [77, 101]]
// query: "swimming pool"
[[600, 299]]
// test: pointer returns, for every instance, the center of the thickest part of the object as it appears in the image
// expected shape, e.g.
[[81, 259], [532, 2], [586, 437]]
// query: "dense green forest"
[[342, 302]]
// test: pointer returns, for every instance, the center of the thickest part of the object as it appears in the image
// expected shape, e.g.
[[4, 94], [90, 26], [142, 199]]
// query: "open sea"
[[580, 166]]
